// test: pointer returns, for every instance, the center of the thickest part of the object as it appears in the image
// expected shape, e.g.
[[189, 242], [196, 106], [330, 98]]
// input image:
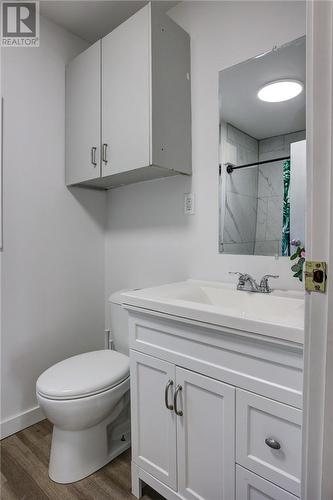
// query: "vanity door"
[[153, 419], [205, 437]]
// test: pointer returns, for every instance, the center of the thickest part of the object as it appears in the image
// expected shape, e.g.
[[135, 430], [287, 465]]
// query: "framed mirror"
[[262, 145]]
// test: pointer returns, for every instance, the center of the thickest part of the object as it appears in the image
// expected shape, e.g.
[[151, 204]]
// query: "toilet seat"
[[83, 375]]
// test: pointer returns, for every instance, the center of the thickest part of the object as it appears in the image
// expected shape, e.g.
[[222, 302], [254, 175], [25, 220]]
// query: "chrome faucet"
[[248, 284]]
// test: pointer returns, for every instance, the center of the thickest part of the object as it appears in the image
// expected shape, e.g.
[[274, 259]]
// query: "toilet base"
[[77, 454]]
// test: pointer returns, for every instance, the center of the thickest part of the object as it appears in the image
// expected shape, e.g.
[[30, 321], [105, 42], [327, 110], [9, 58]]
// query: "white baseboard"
[[21, 421]]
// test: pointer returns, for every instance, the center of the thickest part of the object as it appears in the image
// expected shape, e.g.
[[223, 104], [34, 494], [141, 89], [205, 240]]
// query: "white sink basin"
[[279, 314]]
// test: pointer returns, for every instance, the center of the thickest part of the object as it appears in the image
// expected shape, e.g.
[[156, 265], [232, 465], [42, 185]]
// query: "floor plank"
[[24, 472]]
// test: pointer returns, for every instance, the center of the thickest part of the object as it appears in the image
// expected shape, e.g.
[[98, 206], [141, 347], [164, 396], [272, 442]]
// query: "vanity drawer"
[[251, 486], [259, 419]]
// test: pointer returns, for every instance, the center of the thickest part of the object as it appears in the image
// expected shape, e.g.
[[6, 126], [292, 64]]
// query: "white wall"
[[53, 257], [149, 240]]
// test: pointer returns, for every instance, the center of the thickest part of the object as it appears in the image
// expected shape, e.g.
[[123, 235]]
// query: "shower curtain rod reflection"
[[230, 167]]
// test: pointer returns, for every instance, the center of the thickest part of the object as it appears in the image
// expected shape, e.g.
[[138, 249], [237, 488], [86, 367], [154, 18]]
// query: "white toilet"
[[86, 397]]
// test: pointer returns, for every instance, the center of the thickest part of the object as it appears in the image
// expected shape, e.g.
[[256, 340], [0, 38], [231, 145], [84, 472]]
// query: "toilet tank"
[[118, 323]]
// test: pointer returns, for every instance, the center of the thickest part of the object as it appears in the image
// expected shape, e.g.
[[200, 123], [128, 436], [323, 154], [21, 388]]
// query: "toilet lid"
[[83, 375]]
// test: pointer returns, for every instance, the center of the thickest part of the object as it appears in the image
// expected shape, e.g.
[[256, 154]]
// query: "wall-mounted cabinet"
[[128, 104]]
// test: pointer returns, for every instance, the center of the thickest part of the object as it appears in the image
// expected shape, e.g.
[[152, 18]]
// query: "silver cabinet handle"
[[104, 153], [272, 443], [93, 156], [166, 395], [177, 412]]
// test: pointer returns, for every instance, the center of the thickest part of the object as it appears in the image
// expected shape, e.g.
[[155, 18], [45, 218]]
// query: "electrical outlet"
[[189, 208]]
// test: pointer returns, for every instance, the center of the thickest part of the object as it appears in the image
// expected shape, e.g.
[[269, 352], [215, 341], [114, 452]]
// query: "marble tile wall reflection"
[[240, 191], [252, 199]]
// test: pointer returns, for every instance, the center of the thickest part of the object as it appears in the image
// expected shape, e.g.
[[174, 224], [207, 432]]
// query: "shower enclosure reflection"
[[262, 156]]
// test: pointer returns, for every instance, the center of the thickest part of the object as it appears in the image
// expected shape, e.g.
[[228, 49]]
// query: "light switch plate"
[[189, 208]]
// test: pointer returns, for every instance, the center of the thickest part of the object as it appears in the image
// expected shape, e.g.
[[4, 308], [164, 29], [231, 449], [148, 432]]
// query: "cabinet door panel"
[[126, 95], [83, 107], [153, 425], [205, 438]]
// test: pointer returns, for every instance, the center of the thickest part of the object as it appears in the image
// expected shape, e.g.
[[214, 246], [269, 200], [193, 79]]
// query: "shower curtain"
[[286, 210]]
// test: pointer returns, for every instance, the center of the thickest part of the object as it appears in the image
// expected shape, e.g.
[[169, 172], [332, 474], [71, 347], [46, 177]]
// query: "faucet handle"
[[266, 276], [265, 288], [242, 277]]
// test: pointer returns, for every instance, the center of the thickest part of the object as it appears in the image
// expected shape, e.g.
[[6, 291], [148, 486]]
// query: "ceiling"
[[238, 87], [91, 20]]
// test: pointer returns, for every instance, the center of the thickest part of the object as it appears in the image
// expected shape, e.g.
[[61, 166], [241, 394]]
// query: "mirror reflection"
[[262, 153]]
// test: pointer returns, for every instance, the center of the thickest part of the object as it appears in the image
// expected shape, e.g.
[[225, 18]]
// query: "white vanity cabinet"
[[129, 97], [216, 412]]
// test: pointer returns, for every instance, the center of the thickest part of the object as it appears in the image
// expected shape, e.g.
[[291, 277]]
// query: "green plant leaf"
[[297, 267]]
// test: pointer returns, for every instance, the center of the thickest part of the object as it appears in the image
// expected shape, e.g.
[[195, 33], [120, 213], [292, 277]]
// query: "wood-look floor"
[[24, 472]]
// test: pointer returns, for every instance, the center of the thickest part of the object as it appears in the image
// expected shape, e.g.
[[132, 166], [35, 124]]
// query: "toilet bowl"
[[86, 397]]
